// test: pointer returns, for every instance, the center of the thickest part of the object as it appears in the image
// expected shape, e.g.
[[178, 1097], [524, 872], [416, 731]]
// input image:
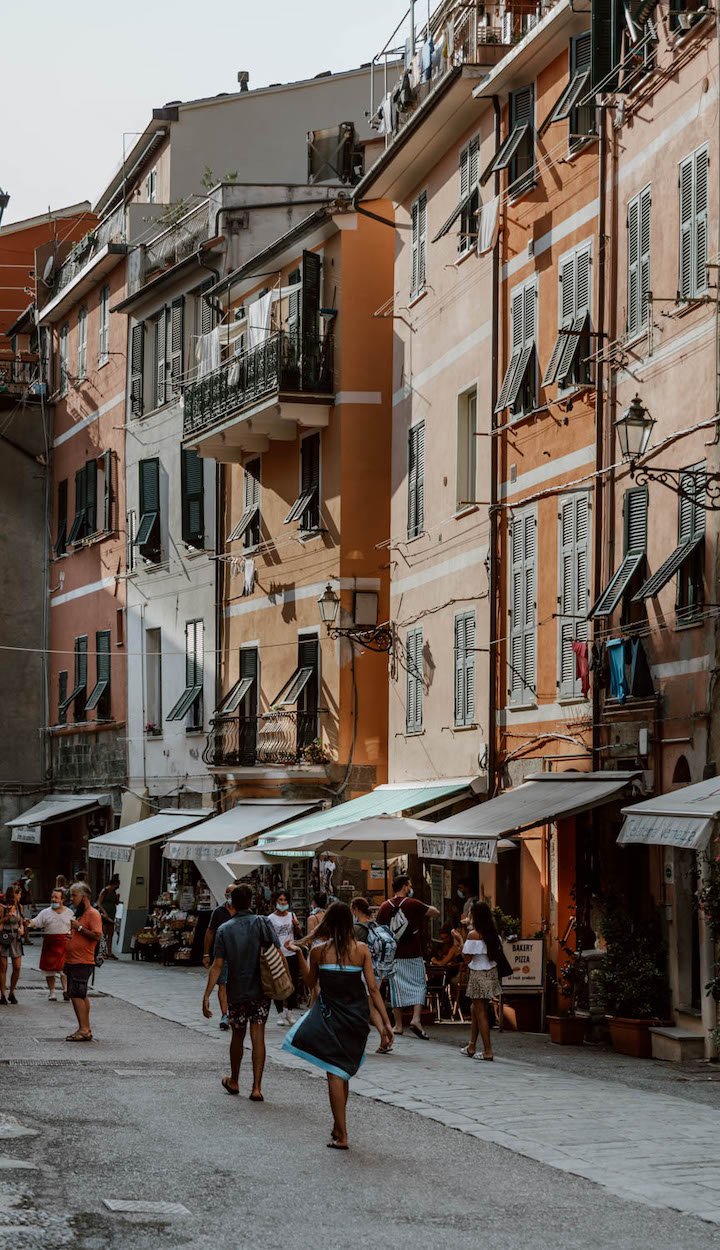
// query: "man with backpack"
[[383, 947], [403, 915]]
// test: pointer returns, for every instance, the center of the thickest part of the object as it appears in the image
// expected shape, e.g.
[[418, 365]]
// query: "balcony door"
[[309, 697], [248, 706]]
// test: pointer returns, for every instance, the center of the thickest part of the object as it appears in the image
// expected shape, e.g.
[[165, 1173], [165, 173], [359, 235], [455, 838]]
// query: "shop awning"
[[121, 844], [387, 800], [542, 798], [54, 808], [224, 833], [373, 837], [684, 818]]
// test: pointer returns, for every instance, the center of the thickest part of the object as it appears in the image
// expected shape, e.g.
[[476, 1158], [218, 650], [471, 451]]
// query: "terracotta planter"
[[566, 1030], [632, 1037]]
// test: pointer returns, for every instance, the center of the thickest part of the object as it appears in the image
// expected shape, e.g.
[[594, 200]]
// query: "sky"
[[75, 76]]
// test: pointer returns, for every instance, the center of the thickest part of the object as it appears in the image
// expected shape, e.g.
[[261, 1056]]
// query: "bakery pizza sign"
[[526, 961]]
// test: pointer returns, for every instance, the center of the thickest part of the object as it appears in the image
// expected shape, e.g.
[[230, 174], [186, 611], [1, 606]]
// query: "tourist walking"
[[333, 1034], [482, 953], [317, 911], [238, 945], [404, 916], [220, 916], [287, 929], [107, 905], [82, 944], [27, 892], [12, 932], [54, 924]]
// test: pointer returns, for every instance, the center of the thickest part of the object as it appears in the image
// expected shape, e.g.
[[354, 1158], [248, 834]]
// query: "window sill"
[[679, 37], [463, 729], [416, 296], [84, 727], [413, 538], [573, 700], [151, 566], [194, 553], [465, 510], [102, 363], [520, 707], [463, 256], [153, 412], [634, 339], [577, 149], [412, 733], [692, 622], [514, 197], [196, 731], [687, 306]]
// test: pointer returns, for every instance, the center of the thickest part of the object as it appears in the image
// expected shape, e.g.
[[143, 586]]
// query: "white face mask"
[[283, 907]]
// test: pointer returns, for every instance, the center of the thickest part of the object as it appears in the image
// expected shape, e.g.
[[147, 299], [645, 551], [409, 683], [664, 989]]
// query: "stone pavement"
[[650, 1147]]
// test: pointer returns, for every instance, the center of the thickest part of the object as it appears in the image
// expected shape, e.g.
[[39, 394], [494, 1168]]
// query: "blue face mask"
[[56, 906], [410, 893], [282, 906]]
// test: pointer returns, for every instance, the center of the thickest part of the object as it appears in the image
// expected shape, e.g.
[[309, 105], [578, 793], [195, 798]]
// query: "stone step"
[[676, 1045]]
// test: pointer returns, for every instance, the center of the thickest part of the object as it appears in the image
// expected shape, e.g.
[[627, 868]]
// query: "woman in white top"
[[480, 953], [54, 923], [287, 927]]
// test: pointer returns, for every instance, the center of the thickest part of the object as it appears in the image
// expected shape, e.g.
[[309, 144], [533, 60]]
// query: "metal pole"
[[385, 865]]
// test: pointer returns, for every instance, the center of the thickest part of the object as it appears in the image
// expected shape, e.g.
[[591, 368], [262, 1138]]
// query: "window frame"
[[573, 595], [82, 341], [569, 365], [638, 224], [63, 358], [104, 325], [100, 695], [190, 704], [522, 676], [464, 667], [418, 245], [581, 66], [697, 226], [306, 509], [192, 535], [519, 389], [617, 588], [248, 527], [416, 480], [466, 450], [414, 680], [148, 536]]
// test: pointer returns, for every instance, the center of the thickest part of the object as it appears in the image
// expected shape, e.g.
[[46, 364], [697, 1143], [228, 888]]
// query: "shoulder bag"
[[275, 979]]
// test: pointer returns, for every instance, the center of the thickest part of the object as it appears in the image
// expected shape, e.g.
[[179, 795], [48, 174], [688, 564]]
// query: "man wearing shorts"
[[220, 916], [85, 933], [238, 944]]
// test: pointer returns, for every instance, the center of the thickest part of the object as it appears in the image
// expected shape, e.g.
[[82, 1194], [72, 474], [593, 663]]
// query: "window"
[[100, 696], [85, 520], [466, 449], [63, 350], [306, 509], [606, 37], [517, 152], [693, 184], [684, 14], [303, 690], [468, 206], [147, 538], [638, 261], [104, 326], [573, 588], [418, 216], [168, 342], [61, 532], [242, 697], [62, 697], [635, 511], [190, 703], [192, 469], [465, 669], [416, 479], [581, 117], [153, 681], [414, 683], [82, 343], [523, 581], [151, 186], [519, 387], [137, 355], [568, 363], [77, 694], [640, 49], [248, 527], [687, 558], [105, 489]]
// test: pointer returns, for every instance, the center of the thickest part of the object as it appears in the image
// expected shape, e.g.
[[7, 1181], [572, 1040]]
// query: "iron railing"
[[283, 363], [278, 737], [18, 373]]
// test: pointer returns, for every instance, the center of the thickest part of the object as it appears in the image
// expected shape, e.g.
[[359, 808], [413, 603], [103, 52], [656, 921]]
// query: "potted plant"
[[567, 1029], [634, 978]]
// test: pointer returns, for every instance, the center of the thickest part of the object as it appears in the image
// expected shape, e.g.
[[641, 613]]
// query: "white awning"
[[542, 798], [226, 832], [370, 838], [56, 807], [684, 818], [121, 844]]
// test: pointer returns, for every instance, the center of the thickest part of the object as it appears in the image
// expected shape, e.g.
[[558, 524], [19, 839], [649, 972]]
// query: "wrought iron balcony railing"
[[278, 738], [18, 373], [284, 363]]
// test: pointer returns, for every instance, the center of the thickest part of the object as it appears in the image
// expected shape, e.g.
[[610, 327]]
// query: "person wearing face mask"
[[219, 916], [54, 924], [287, 929], [404, 916]]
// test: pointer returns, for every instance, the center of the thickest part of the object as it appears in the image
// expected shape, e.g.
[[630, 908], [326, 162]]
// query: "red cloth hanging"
[[582, 667]]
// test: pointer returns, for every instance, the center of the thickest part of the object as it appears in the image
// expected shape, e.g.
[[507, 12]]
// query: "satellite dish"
[[48, 270]]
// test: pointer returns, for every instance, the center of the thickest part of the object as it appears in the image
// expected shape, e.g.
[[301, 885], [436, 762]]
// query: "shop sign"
[[27, 833], [469, 850], [688, 833], [526, 960]]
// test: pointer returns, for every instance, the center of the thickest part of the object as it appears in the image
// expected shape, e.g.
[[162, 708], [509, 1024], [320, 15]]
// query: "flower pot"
[[632, 1037], [566, 1030]]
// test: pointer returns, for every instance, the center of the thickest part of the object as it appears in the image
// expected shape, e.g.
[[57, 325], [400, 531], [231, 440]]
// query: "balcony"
[[20, 377], [273, 739], [261, 395]]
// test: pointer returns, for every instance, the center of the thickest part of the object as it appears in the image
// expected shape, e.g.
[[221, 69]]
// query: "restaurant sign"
[[27, 833], [468, 850], [526, 960]]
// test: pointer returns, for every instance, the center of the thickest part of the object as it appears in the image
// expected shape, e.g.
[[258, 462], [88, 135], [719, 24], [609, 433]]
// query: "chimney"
[[243, 79]]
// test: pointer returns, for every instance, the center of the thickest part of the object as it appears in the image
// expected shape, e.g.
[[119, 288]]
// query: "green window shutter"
[[207, 316], [148, 537], [192, 485], [100, 696], [465, 669], [137, 354], [606, 32], [416, 479], [108, 491], [523, 579], [309, 519], [515, 633], [62, 697], [635, 517], [414, 683], [310, 320], [574, 526], [160, 356], [78, 528], [464, 172], [459, 671], [103, 655], [82, 343], [250, 668], [422, 234], [530, 569], [414, 216], [685, 279], [91, 497], [62, 519], [80, 686], [177, 328], [700, 234]]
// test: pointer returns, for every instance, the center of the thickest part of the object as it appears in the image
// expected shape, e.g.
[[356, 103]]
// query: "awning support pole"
[[385, 865]]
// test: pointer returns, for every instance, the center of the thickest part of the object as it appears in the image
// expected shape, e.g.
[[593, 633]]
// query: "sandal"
[[336, 1145], [465, 1050], [228, 1087], [384, 1050], [487, 1058], [79, 1037], [419, 1032], [256, 1098]]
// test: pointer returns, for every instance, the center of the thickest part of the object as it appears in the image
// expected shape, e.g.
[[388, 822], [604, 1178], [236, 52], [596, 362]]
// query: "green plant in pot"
[[634, 977]]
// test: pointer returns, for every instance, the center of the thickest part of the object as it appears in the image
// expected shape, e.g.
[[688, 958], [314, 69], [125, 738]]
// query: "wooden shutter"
[[416, 479], [567, 291], [573, 603], [102, 646], [108, 493], [606, 43], [177, 324], [414, 684], [207, 316], [249, 667], [583, 264], [160, 350], [192, 489], [80, 505], [464, 172], [634, 305], [149, 486], [530, 579], [644, 254], [473, 163], [523, 578], [82, 343], [415, 217], [91, 497], [62, 518], [251, 483], [685, 282], [310, 320], [309, 697], [81, 646], [635, 514], [465, 668], [515, 633], [700, 233], [137, 352], [62, 697]]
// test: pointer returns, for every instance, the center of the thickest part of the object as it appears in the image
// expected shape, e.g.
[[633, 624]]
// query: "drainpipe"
[[493, 577], [601, 512]]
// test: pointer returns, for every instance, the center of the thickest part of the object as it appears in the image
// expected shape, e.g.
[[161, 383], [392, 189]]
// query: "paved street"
[[542, 1157]]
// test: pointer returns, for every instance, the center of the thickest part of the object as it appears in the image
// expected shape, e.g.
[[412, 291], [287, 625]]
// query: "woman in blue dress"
[[333, 1034]]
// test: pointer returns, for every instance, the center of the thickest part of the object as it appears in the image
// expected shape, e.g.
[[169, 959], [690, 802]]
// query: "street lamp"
[[634, 428], [4, 201], [371, 637]]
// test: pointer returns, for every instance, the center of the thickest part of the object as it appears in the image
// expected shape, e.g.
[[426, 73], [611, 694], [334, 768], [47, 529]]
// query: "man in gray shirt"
[[238, 944]]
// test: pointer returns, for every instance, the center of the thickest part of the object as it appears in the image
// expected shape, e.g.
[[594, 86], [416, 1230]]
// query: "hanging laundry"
[[616, 657], [582, 670], [248, 577], [598, 666], [415, 70], [426, 56], [236, 566], [406, 95], [487, 234], [207, 352], [259, 314], [641, 682]]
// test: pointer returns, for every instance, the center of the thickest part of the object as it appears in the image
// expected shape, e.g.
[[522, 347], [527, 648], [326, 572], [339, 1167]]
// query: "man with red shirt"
[[404, 916], [85, 933]]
